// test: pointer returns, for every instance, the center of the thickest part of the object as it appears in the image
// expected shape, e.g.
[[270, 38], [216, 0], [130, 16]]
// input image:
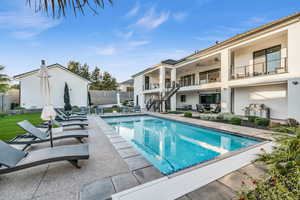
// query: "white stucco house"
[[30, 91], [260, 66]]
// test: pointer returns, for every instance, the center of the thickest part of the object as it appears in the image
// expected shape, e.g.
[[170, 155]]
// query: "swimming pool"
[[172, 146]]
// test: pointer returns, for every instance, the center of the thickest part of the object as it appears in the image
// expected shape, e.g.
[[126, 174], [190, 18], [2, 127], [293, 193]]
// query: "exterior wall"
[[192, 98], [294, 99], [244, 56], [31, 92], [273, 96], [293, 49], [138, 91]]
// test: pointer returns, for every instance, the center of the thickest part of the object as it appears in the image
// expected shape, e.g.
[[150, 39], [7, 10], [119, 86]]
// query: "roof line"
[[49, 66], [234, 39]]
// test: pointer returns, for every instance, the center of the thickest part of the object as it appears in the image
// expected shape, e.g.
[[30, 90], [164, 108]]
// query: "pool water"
[[172, 146]]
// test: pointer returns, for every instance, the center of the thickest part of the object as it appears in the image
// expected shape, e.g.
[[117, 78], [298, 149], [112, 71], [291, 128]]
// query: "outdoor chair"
[[38, 136], [12, 159], [136, 109], [63, 124], [63, 117], [200, 108]]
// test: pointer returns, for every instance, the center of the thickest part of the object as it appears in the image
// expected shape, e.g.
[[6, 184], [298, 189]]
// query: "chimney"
[[43, 63]]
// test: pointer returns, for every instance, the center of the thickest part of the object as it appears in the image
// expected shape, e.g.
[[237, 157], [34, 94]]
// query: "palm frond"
[[59, 7]]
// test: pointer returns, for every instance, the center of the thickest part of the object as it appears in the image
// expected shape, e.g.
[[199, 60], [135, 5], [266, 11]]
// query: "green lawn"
[[9, 128]]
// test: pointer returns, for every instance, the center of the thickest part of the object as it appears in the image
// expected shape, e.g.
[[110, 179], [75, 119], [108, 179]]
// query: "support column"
[[225, 90], [162, 85], [173, 98]]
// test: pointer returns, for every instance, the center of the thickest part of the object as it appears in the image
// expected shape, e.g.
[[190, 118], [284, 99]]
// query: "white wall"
[[192, 98], [31, 93], [294, 98], [138, 90], [273, 96]]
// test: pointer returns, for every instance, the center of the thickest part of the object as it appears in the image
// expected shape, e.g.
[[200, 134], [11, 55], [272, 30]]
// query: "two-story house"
[[260, 66]]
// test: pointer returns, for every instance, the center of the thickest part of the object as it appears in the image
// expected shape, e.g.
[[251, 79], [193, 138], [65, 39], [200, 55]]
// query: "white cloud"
[[25, 24], [133, 12], [180, 16], [138, 43], [125, 35], [106, 51], [152, 19]]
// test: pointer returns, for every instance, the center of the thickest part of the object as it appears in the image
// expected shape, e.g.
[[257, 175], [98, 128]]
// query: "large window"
[[267, 60], [210, 98]]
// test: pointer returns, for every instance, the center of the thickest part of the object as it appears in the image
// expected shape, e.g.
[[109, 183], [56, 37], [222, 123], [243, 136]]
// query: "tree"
[[108, 82], [84, 71], [68, 106], [3, 81], [58, 7], [96, 79], [74, 67]]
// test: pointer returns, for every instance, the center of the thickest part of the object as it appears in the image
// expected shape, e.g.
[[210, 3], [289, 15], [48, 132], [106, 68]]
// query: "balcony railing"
[[151, 86], [204, 78], [277, 66]]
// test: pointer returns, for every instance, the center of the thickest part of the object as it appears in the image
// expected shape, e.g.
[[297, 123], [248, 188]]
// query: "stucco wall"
[[273, 96], [31, 93], [192, 98], [138, 90]]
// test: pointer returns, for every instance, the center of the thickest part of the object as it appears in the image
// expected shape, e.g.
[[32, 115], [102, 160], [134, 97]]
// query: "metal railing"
[[151, 86], [277, 66]]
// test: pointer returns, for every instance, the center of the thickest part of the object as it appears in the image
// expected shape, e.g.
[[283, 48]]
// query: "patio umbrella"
[[48, 112]]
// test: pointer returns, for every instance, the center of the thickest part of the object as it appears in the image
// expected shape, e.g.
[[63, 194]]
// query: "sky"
[[128, 36]]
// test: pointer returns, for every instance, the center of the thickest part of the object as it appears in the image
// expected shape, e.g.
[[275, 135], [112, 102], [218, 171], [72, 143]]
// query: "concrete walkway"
[[61, 180]]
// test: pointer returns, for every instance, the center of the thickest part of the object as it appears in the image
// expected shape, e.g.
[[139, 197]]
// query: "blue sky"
[[129, 36]]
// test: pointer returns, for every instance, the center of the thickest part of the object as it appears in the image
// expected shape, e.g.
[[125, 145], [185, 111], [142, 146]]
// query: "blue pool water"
[[171, 146]]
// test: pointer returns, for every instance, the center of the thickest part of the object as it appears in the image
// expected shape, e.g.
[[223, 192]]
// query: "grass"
[[9, 128]]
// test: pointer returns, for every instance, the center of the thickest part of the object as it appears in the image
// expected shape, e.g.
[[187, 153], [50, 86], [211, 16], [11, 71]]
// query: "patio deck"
[[113, 167]]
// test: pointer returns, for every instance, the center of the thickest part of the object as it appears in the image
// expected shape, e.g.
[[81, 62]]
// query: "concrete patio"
[[113, 166]]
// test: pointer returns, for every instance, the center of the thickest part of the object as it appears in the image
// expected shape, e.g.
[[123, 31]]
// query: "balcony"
[[278, 66], [151, 86], [206, 77]]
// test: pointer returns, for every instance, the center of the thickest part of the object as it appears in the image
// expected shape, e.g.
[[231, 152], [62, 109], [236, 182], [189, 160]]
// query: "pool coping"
[[263, 141]]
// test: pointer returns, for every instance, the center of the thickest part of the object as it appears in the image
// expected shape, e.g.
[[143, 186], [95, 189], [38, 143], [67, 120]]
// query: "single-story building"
[[30, 91]]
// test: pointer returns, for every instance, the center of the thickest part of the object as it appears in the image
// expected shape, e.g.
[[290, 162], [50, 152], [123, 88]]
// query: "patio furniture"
[[38, 136], [81, 124], [99, 110], [62, 117], [12, 159], [136, 109], [125, 109], [215, 108], [200, 108], [258, 110]]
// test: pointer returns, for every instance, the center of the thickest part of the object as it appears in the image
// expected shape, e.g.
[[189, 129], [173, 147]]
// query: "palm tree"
[[58, 7], [3, 80]]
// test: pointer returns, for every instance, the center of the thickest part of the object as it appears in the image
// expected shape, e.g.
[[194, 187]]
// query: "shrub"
[[125, 103], [284, 129], [3, 114], [188, 114], [235, 121], [292, 122], [252, 118], [115, 107], [262, 122], [220, 117], [19, 108], [283, 175], [175, 112]]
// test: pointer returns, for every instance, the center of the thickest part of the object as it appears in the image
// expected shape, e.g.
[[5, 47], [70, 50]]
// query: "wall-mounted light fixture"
[[295, 82]]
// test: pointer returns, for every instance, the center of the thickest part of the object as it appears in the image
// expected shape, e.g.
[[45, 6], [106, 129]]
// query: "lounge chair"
[[12, 159], [65, 124], [62, 117], [136, 109], [200, 108], [39, 136]]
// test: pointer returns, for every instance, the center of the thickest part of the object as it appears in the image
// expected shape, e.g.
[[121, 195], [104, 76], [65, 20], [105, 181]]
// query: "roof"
[[128, 82], [228, 41], [56, 65]]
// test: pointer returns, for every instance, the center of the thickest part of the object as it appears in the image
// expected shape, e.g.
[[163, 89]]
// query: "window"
[[187, 80], [182, 98], [267, 60], [209, 76], [210, 98]]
